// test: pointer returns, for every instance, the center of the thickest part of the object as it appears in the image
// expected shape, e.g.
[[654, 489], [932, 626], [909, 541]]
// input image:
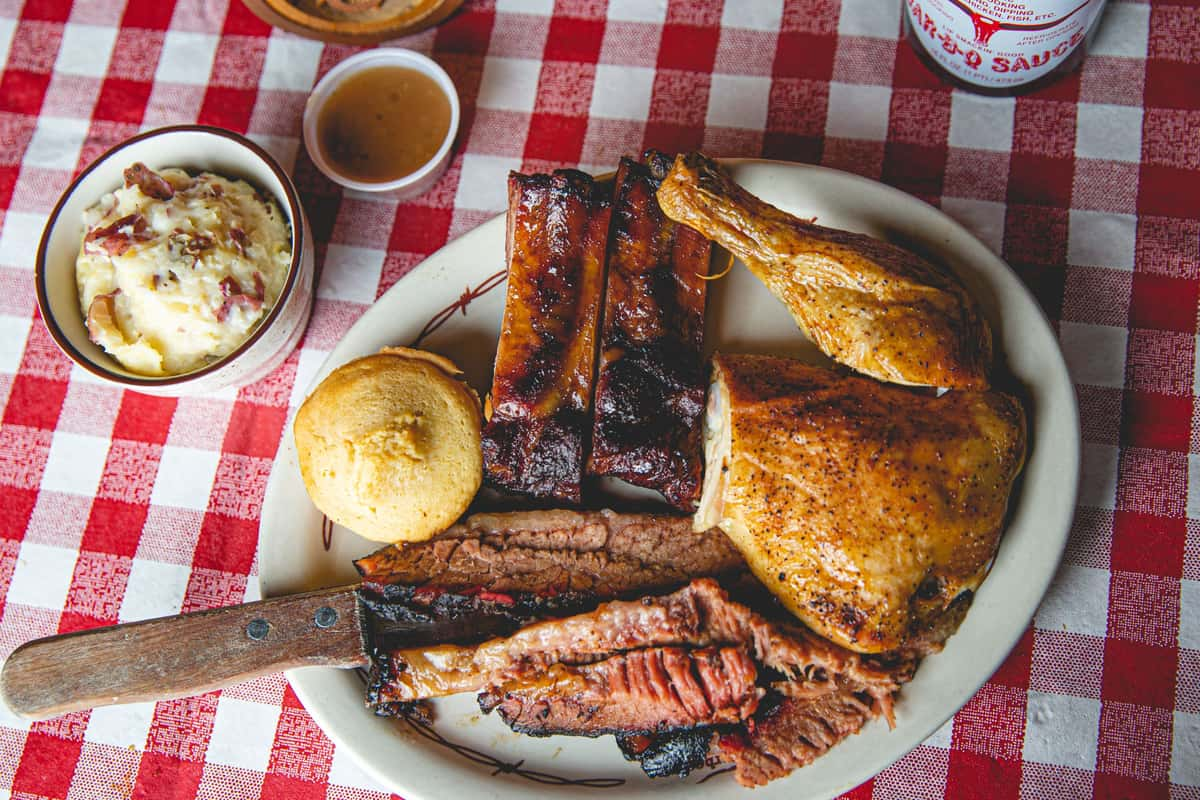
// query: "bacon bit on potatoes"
[[150, 182], [118, 237], [232, 291]]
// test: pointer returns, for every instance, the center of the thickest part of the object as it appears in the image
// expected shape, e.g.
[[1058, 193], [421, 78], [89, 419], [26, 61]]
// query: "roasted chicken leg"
[[871, 511], [868, 304]]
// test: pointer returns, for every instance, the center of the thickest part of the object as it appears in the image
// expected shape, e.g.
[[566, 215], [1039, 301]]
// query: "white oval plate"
[[742, 317]]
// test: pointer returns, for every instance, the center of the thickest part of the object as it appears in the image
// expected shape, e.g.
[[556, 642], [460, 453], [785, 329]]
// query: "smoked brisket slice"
[[651, 378], [535, 441], [642, 690]]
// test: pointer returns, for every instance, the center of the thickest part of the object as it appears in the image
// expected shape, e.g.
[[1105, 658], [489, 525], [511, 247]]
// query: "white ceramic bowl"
[[413, 184], [195, 148]]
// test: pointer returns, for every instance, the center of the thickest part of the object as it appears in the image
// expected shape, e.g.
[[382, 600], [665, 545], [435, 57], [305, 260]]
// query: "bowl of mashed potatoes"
[[179, 263]]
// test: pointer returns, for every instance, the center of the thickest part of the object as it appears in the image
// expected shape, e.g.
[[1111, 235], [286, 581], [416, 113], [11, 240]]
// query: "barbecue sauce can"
[[1001, 47]]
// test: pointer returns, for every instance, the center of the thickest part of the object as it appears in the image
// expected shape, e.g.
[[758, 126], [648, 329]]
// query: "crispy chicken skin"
[[536, 436], [871, 511], [868, 304]]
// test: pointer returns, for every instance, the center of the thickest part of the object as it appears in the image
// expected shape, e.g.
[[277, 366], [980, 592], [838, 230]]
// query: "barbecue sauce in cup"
[[383, 123]]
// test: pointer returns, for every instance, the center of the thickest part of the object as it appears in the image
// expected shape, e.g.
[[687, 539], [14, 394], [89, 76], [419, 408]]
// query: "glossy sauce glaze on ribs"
[[535, 439], [651, 376]]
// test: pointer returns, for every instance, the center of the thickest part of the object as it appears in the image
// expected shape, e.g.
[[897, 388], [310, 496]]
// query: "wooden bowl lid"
[[340, 21]]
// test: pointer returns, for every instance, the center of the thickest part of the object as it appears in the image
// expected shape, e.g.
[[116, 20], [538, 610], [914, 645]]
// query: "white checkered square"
[[290, 63], [8, 26], [153, 589], [1185, 750], [621, 92], [56, 144], [1076, 602], [1108, 132], [186, 57], [1098, 476], [869, 18], [943, 737], [85, 49], [13, 333], [1098, 239], [75, 463], [983, 218], [981, 123], [637, 10], [759, 15], [185, 477], [120, 726], [483, 184], [19, 238], [1193, 490], [738, 101], [1124, 31], [1060, 729], [1189, 614], [543, 8], [242, 734], [1095, 353], [42, 576], [509, 84], [858, 112], [351, 273]]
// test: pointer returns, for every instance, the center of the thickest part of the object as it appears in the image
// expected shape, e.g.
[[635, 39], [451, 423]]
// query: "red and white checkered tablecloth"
[[115, 506]]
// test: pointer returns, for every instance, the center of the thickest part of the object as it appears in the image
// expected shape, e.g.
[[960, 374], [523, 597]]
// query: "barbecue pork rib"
[[871, 511], [538, 413], [866, 303], [651, 377]]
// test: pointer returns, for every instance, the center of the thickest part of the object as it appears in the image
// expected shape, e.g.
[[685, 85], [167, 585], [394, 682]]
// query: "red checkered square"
[[559, 139], [574, 39], [162, 776], [22, 92], [1039, 180], [688, 48], [143, 418], [181, 728], [226, 543], [1171, 138], [227, 107], [1114, 80], [240, 21], [1014, 670], [1105, 186], [41, 772], [804, 55], [684, 12], [1165, 303], [23, 453], [992, 723], [419, 229], [254, 430], [52, 10], [275, 785], [1134, 742], [1159, 421], [732, 142], [98, 586], [859, 156], [114, 527], [1097, 296], [1035, 235], [565, 88], [980, 777], [301, 750], [1145, 608], [1169, 246], [1066, 663], [122, 100], [917, 169], [1147, 544], [1175, 33], [129, 471], [1152, 482], [1044, 128], [1166, 191], [209, 588], [147, 14]]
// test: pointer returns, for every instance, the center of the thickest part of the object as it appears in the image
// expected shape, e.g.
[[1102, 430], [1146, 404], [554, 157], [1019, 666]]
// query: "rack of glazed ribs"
[[650, 381], [541, 400]]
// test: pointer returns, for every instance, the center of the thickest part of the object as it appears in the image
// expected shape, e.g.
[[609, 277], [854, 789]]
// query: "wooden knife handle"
[[160, 659]]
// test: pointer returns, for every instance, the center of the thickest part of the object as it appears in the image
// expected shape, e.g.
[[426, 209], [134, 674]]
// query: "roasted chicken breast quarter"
[[871, 511], [871, 305]]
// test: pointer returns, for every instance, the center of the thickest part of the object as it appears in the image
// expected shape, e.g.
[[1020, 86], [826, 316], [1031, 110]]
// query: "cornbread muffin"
[[389, 445]]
